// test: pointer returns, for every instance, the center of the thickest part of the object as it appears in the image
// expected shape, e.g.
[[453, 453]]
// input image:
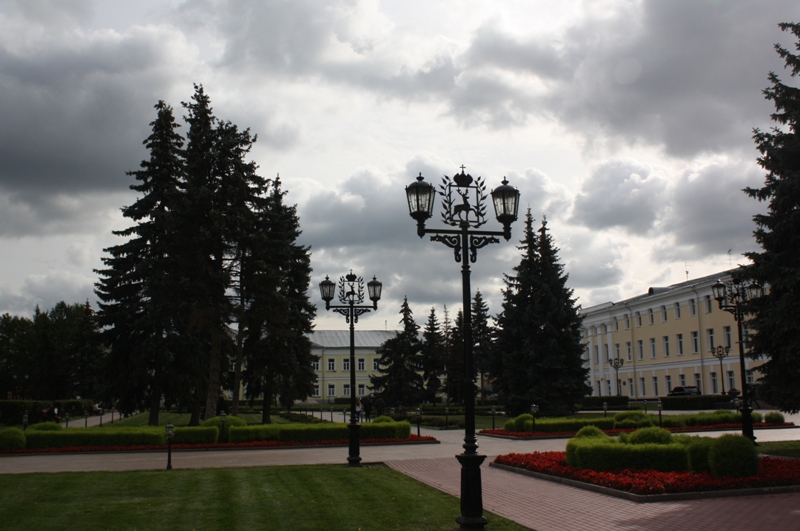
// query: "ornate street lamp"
[[464, 206], [617, 364], [351, 295], [732, 297], [719, 353], [170, 434]]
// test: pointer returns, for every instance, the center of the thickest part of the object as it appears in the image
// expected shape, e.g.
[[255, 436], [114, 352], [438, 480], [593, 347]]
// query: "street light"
[[25, 421], [732, 298], [419, 420], [351, 295], [464, 206], [617, 364], [170, 435], [66, 415], [719, 353], [534, 411]]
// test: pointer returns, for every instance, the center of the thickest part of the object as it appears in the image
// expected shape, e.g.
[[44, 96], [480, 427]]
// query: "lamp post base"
[[354, 457], [471, 492]]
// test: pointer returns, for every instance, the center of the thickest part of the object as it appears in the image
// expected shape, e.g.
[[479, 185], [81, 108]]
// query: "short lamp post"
[[419, 420], [25, 421], [170, 435], [351, 295], [66, 416], [732, 297], [617, 364], [534, 412], [605, 408], [660, 407], [464, 208], [719, 353]]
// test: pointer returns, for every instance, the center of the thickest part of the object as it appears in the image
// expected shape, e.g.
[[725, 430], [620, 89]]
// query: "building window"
[[650, 318], [627, 322], [596, 354], [643, 386], [616, 325], [698, 382], [714, 383], [616, 349], [376, 364], [666, 346], [682, 379], [640, 347], [692, 308], [731, 380], [629, 350], [362, 389], [315, 365], [316, 390], [749, 378], [663, 314], [630, 387], [695, 342], [726, 336], [331, 389], [346, 390], [346, 364], [599, 389], [652, 347], [709, 304], [679, 340], [609, 387], [605, 351], [362, 363], [331, 364], [638, 319], [655, 385], [677, 310], [710, 337], [605, 329]]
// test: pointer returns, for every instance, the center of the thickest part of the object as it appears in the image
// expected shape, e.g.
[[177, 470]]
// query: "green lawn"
[[276, 498], [781, 448]]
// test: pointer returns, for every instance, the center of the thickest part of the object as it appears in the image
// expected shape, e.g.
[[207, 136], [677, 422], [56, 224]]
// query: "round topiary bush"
[[46, 426], [590, 431], [519, 422], [774, 417], [382, 418], [230, 420], [733, 456], [650, 435], [12, 439], [756, 416]]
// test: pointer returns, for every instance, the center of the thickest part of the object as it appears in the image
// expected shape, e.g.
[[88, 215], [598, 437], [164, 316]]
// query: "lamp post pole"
[[616, 364], [351, 295], [463, 202], [719, 353], [731, 297]]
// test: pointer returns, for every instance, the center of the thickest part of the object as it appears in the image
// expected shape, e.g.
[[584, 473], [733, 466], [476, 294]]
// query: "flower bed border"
[[253, 445], [649, 498], [528, 436]]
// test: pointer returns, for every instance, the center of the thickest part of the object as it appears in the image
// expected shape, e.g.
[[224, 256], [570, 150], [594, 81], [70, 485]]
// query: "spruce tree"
[[398, 380], [432, 357], [537, 354], [454, 361], [774, 316], [481, 338]]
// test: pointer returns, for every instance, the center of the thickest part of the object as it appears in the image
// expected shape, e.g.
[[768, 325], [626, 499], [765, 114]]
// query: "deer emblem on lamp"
[[463, 201]]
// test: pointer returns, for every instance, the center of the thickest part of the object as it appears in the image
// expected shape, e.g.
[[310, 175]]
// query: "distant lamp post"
[[660, 407], [351, 295], [419, 420], [464, 206], [719, 353], [605, 408], [101, 416], [534, 412], [617, 364], [25, 421], [170, 435], [66, 416], [732, 298]]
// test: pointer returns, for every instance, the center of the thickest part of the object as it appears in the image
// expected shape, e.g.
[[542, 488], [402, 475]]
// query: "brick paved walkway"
[[547, 506]]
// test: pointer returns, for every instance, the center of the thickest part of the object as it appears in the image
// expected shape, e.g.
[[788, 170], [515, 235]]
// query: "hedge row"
[[318, 432], [151, 436], [524, 423]]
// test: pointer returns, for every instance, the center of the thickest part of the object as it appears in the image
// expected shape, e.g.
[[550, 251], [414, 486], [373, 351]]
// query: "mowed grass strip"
[[780, 448], [330, 497]]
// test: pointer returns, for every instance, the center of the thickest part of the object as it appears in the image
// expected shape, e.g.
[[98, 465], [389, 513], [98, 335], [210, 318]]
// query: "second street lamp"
[[351, 295], [617, 364], [719, 353], [464, 207], [732, 297]]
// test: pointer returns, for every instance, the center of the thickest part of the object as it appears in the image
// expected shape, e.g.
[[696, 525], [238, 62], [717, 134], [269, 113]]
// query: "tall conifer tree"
[[775, 314], [398, 380], [432, 356]]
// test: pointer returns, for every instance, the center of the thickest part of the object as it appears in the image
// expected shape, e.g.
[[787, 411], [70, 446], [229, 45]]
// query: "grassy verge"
[[275, 498], [780, 448]]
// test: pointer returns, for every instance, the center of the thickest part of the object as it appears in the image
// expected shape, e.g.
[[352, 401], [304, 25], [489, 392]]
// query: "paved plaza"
[[533, 503]]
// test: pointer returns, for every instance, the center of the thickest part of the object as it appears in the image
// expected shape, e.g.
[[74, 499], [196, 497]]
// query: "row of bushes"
[[658, 449], [524, 423], [319, 432], [11, 411]]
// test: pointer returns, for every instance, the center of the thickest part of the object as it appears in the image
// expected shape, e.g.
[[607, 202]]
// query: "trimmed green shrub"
[[575, 443], [628, 424], [591, 431], [262, 432], [756, 416], [216, 422], [630, 415], [46, 426], [196, 435], [11, 411], [604, 456], [698, 449], [150, 436], [774, 417], [382, 418], [733, 456], [12, 439], [318, 432], [650, 435], [519, 422], [509, 425]]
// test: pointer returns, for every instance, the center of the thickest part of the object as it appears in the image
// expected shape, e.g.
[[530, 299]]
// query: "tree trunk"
[[155, 401], [212, 396], [267, 408], [237, 369]]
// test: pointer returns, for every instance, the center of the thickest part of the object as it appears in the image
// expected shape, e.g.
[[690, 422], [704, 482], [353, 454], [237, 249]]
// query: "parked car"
[[684, 391]]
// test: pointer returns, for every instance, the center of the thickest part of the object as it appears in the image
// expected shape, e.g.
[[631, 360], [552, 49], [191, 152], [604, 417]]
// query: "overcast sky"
[[627, 123]]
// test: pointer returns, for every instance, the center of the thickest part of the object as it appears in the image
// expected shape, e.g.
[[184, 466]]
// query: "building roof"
[[341, 338]]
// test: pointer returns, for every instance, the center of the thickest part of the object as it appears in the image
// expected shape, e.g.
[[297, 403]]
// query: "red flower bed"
[[218, 446], [555, 434], [773, 472]]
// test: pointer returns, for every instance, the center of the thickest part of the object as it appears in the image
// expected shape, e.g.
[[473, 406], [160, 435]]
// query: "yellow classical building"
[[664, 339]]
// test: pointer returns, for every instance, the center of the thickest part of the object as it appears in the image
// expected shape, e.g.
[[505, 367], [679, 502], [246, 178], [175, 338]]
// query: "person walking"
[[367, 409]]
